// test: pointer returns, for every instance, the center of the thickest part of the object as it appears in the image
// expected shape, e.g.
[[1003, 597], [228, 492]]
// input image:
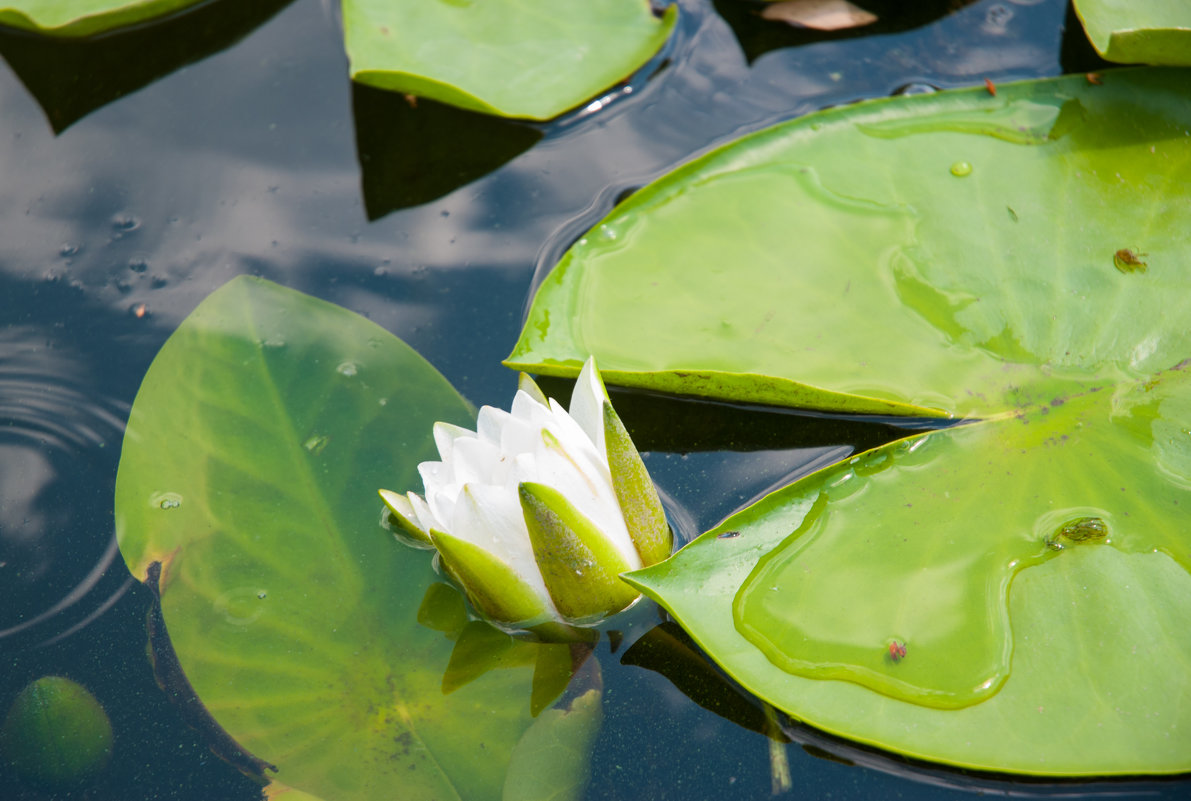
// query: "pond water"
[[143, 171]]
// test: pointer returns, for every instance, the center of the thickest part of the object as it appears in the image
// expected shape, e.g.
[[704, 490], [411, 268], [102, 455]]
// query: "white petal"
[[422, 512], [434, 475], [474, 461], [491, 518], [519, 435], [587, 404], [588, 489], [490, 422], [576, 443], [445, 435], [441, 503], [523, 405], [401, 505]]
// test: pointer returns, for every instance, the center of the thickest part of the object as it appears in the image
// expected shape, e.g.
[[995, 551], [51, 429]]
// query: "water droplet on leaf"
[[166, 500]]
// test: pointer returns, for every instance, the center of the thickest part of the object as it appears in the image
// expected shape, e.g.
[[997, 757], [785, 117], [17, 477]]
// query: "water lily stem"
[[779, 763]]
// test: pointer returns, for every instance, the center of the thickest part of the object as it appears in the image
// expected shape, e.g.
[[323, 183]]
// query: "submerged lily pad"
[[84, 17], [520, 58], [249, 469], [1006, 594], [1138, 31]]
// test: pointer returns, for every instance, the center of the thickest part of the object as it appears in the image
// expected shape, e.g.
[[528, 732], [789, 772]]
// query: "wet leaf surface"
[[249, 472], [84, 17], [995, 595], [1138, 31], [529, 58]]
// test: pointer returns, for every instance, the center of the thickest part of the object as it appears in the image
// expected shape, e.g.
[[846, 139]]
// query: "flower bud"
[[537, 512]]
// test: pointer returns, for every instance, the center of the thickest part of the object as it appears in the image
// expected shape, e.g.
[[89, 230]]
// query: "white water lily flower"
[[536, 512]]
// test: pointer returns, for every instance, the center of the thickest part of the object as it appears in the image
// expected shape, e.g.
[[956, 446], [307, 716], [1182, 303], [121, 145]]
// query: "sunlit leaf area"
[[873, 321]]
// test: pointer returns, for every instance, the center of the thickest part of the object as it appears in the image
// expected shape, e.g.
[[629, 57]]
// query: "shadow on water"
[[70, 78], [669, 651], [413, 150]]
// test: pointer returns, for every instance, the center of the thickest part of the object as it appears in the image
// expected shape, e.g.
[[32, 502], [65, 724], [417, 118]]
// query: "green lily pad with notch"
[[530, 59], [249, 472], [1138, 31], [1007, 594], [73, 18]]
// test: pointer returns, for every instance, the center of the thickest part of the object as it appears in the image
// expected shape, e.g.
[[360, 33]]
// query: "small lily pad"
[[520, 58], [84, 17], [1138, 31]]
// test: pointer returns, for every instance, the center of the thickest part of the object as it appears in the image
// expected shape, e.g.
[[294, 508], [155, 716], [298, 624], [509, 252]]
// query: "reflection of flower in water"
[[536, 512]]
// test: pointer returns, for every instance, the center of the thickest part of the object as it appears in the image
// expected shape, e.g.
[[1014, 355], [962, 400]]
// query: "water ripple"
[[59, 437]]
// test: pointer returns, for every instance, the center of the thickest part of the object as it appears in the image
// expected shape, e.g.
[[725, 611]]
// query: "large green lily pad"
[[1009, 595], [249, 471], [518, 58], [84, 17], [839, 261], [1005, 594], [1138, 31]]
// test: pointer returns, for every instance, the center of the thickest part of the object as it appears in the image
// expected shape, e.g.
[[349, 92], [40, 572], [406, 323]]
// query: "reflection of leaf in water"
[[71, 77], [841, 261], [294, 615], [413, 151], [551, 762]]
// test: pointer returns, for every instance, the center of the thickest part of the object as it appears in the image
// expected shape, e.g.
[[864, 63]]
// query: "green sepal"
[[638, 498], [578, 563], [531, 388], [494, 588], [402, 513]]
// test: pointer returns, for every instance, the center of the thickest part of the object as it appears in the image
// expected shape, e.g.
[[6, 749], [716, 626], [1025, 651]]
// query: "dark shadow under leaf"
[[414, 150], [70, 78]]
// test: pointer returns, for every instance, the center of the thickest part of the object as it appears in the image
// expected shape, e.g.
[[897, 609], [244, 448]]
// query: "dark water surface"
[[261, 158]]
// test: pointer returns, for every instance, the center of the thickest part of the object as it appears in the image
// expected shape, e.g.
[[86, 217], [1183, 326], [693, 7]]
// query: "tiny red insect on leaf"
[[1094, 78], [990, 86], [897, 651]]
